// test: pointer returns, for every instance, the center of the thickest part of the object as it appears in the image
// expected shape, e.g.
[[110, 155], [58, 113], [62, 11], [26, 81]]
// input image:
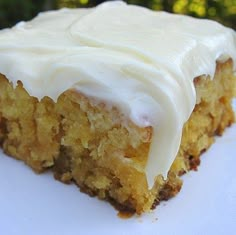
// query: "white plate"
[[32, 204]]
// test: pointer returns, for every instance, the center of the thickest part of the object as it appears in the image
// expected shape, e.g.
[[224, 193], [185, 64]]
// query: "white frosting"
[[141, 61]]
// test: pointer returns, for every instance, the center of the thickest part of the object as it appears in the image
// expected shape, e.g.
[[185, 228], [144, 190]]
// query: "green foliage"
[[12, 11], [224, 11]]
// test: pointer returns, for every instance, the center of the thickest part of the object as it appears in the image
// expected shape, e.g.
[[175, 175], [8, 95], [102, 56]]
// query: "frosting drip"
[[141, 61]]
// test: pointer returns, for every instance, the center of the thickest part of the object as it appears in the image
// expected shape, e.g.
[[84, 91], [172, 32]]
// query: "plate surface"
[[32, 204]]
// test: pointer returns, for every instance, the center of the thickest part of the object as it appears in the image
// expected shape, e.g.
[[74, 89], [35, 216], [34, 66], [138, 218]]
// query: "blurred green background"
[[224, 11]]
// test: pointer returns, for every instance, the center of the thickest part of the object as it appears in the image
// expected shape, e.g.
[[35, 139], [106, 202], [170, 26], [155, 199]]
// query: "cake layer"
[[139, 61], [88, 144]]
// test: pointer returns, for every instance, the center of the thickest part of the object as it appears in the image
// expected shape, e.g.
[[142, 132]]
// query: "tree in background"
[[11, 11], [224, 11]]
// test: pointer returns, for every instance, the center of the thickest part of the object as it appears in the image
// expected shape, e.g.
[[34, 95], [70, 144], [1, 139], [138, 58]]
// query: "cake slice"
[[119, 99]]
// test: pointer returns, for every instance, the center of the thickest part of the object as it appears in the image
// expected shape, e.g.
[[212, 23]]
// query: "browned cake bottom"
[[89, 145]]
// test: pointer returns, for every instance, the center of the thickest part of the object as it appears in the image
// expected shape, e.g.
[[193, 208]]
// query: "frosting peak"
[[142, 61]]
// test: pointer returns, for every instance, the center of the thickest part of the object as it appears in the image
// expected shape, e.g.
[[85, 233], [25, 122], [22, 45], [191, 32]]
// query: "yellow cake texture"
[[82, 143]]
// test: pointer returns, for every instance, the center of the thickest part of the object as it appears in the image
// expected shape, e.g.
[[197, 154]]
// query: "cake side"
[[212, 114], [105, 155]]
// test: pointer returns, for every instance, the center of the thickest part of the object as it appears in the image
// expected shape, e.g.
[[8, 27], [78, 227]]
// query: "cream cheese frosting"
[[141, 61]]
